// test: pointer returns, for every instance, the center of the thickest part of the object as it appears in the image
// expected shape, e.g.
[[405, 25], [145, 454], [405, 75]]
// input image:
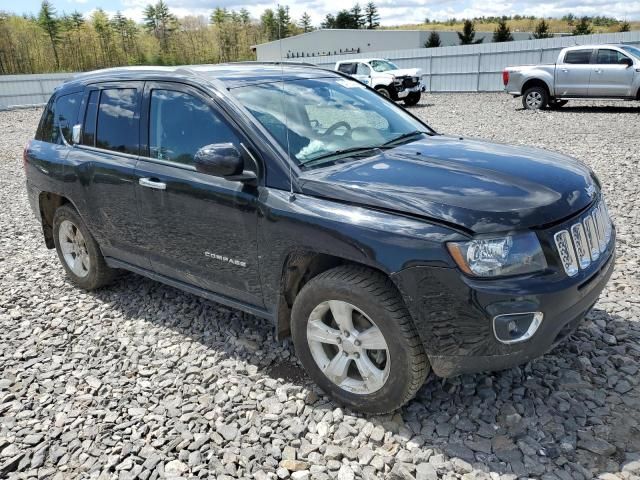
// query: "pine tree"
[[542, 30], [160, 21], [269, 25], [502, 33], [433, 41], [371, 16], [468, 35], [624, 27], [359, 20], [305, 23], [50, 24], [283, 21], [329, 21], [583, 27]]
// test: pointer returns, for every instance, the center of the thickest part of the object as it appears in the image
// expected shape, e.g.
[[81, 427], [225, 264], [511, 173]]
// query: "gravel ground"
[[142, 381]]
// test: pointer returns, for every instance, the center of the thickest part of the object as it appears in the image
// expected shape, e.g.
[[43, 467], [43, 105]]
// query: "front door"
[[610, 77], [573, 73], [198, 228]]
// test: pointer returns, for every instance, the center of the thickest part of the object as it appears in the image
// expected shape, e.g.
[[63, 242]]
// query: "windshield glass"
[[632, 50], [324, 120], [382, 65]]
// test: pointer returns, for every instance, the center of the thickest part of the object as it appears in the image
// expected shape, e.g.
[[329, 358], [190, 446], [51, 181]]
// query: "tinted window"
[[578, 56], [117, 126], [609, 57], [180, 124], [349, 68], [58, 118], [89, 127]]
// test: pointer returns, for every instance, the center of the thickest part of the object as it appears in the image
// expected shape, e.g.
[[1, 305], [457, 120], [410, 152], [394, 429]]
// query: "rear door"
[[198, 228], [363, 73], [609, 77], [573, 73], [102, 173]]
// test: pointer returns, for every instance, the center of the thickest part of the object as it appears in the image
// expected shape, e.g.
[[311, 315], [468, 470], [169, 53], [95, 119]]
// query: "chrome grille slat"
[[583, 242]]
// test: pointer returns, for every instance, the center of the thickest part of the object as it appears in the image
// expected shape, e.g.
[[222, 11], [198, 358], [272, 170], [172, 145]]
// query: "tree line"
[[51, 42]]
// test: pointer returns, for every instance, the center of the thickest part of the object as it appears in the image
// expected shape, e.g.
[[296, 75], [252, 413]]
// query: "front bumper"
[[454, 313], [400, 94]]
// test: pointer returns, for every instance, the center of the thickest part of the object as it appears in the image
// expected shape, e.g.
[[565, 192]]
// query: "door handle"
[[565, 70], [152, 183]]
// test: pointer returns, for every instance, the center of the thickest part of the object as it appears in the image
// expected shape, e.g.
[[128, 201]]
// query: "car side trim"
[[209, 295]]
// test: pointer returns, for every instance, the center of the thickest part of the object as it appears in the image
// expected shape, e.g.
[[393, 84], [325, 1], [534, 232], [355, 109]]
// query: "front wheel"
[[535, 98], [356, 339], [412, 99], [78, 251], [383, 91]]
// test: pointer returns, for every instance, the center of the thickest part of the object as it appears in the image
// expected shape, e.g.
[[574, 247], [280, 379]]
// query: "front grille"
[[584, 241], [409, 82]]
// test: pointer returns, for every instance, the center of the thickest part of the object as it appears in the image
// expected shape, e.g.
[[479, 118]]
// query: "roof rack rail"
[[273, 62]]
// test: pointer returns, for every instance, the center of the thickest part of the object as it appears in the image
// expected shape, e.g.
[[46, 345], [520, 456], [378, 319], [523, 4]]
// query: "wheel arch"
[[298, 269], [48, 203], [536, 82]]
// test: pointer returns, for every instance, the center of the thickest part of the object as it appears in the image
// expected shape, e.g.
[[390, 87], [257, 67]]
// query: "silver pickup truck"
[[585, 71]]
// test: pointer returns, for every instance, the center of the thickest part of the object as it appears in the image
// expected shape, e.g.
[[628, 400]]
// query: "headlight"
[[509, 255]]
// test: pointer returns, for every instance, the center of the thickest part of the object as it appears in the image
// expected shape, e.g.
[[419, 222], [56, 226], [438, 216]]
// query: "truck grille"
[[409, 82], [585, 240]]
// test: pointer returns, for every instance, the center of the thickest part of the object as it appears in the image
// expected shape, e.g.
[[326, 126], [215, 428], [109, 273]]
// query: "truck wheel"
[[383, 91], [412, 99], [356, 339], [78, 251], [535, 98], [558, 103]]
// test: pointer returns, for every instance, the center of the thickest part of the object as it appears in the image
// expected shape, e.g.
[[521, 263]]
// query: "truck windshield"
[[632, 50], [382, 65], [325, 120]]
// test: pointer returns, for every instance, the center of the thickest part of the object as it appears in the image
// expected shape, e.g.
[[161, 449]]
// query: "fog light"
[[516, 327]]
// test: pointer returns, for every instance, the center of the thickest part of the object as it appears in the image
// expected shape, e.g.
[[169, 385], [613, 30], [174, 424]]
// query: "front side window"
[[319, 120], [578, 57], [180, 124], [363, 69], [58, 118], [89, 126], [609, 57], [382, 65], [117, 126]]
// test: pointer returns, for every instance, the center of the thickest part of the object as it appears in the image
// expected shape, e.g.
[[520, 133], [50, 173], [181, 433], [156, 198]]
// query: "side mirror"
[[626, 61], [76, 130], [222, 160]]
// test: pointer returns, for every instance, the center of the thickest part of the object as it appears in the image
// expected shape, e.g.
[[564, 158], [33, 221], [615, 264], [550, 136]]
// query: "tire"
[[400, 369], [535, 98], [383, 91], [558, 103], [80, 255], [412, 99]]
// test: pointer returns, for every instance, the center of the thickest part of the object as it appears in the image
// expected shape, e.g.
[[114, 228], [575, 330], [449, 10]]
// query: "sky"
[[392, 12]]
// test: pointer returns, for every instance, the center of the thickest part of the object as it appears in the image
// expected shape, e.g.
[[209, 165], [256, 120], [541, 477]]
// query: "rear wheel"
[[412, 99], [355, 337], [78, 251], [535, 98], [383, 91]]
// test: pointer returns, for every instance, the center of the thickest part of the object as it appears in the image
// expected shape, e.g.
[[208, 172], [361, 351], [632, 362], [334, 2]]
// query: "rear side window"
[[180, 124], [349, 68], [578, 57], [58, 118], [116, 127]]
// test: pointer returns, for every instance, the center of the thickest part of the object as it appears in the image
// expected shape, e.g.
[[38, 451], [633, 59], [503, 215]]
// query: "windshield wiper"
[[337, 153], [402, 137]]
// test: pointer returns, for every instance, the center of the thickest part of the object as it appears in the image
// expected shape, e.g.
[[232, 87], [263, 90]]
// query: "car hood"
[[405, 72], [480, 186]]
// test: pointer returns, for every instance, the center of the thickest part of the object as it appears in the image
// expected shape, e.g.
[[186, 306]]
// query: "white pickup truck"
[[386, 78], [585, 71]]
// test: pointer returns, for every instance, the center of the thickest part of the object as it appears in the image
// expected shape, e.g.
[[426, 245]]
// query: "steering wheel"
[[336, 126]]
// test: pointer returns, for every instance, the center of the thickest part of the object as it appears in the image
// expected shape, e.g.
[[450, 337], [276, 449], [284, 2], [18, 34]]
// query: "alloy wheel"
[[534, 100], [74, 248], [348, 347]]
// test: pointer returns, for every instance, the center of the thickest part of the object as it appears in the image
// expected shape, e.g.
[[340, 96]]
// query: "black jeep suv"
[[300, 195]]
